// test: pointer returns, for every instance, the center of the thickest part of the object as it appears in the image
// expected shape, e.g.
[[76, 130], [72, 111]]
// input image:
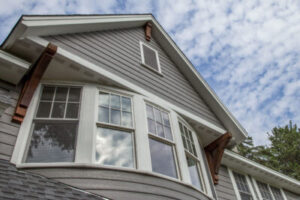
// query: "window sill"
[[97, 166], [151, 69]]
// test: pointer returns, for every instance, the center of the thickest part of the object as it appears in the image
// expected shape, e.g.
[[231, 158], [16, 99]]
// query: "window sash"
[[264, 190], [198, 168]]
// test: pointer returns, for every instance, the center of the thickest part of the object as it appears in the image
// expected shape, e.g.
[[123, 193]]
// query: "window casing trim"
[[269, 188], [236, 190], [156, 55]]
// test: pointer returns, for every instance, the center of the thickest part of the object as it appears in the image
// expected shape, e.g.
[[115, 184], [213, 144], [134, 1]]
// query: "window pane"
[[184, 142], [52, 143], [114, 147], [150, 113], [151, 126], [126, 119], [61, 94], [157, 115], [160, 130], [103, 115], [168, 133], [48, 93], [245, 196], [277, 193], [126, 104], [264, 190], [162, 158], [72, 110], [74, 94], [115, 117], [44, 109], [115, 101], [166, 119], [190, 135], [104, 99], [194, 173], [58, 110]]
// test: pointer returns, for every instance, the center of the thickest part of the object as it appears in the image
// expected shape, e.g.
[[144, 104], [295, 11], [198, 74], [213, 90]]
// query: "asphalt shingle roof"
[[16, 184]]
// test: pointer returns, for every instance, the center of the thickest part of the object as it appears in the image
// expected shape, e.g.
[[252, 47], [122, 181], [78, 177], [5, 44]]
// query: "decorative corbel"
[[214, 152], [31, 82], [148, 30]]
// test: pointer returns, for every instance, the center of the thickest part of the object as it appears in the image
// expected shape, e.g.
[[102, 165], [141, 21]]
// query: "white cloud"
[[249, 51]]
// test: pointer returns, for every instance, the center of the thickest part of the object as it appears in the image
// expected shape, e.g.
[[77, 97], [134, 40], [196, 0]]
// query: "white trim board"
[[49, 25], [236, 162]]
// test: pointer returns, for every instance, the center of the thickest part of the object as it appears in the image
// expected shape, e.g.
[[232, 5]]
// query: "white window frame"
[[269, 188], [235, 187], [53, 120], [143, 58], [197, 158], [164, 141], [130, 130]]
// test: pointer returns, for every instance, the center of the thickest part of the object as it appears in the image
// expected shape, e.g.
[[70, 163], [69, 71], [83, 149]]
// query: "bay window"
[[114, 138], [161, 142], [191, 156], [54, 128]]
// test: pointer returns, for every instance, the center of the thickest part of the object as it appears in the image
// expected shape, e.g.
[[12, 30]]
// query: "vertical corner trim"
[[32, 80], [214, 153], [148, 30]]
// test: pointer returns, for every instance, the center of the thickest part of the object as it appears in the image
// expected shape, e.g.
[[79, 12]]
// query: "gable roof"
[[35, 25]]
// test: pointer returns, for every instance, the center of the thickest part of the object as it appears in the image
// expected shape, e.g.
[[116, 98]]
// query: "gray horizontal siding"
[[225, 189], [118, 51], [8, 129], [291, 196], [123, 185]]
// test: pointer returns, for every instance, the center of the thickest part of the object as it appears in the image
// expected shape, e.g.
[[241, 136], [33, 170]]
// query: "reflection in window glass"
[[264, 190], [114, 147], [194, 172], [115, 109], [187, 139], [52, 142], [158, 122], [162, 158], [242, 186], [276, 193]]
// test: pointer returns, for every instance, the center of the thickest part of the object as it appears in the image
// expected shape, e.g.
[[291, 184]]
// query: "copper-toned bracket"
[[31, 82], [148, 30], [214, 153]]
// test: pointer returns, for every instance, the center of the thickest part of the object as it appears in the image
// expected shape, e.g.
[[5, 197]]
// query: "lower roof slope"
[[15, 184]]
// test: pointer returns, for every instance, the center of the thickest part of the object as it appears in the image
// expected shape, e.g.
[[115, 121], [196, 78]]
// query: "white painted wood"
[[141, 134], [236, 190], [87, 126], [256, 188], [250, 187], [143, 57], [283, 194], [179, 148], [25, 127]]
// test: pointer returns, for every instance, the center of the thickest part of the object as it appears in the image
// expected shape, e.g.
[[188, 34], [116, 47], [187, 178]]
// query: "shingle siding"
[[118, 51]]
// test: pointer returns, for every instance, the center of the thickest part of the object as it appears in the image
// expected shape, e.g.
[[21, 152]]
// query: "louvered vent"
[[150, 58]]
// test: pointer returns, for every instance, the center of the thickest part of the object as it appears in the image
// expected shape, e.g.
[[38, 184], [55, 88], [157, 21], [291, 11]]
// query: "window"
[[114, 138], [161, 142], [242, 186], [276, 193], [268, 192], [264, 191], [191, 156], [150, 57], [54, 128]]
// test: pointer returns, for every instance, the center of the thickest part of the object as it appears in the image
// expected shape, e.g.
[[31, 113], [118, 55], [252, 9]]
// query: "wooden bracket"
[[148, 30], [214, 152], [32, 80]]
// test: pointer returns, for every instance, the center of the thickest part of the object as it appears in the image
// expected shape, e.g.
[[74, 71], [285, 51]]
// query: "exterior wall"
[[118, 184], [8, 129], [118, 51], [225, 189], [291, 196]]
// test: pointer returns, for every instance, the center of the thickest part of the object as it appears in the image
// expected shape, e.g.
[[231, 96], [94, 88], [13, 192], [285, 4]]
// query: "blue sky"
[[248, 51]]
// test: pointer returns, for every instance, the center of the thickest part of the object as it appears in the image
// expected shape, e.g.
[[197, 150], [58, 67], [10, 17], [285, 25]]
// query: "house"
[[108, 107]]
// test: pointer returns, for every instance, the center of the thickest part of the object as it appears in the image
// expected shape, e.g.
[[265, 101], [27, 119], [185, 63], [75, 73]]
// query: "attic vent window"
[[150, 57]]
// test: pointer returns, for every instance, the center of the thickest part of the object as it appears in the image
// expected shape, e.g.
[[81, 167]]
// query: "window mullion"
[[52, 102]]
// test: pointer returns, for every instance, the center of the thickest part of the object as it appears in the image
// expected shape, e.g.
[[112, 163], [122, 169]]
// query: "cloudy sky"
[[248, 51]]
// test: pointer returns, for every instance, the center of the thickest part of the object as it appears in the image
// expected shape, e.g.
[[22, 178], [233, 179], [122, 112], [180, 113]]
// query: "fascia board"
[[236, 161], [7, 57]]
